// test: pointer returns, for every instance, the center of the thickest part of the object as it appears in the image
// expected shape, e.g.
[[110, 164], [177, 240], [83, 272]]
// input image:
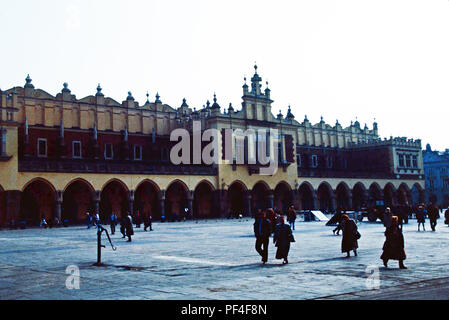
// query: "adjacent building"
[[62, 156], [436, 168]]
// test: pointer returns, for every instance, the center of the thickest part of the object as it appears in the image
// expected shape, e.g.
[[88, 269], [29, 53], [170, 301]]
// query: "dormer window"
[[76, 149], [108, 151], [42, 148], [137, 152]]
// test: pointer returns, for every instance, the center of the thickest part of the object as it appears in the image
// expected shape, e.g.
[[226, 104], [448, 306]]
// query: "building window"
[[137, 152], [76, 149], [3, 142], [329, 162], [298, 160], [415, 161], [42, 147], [314, 161], [401, 161], [408, 162], [108, 151]]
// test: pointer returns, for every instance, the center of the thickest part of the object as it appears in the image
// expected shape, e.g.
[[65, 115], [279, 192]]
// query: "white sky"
[[342, 59]]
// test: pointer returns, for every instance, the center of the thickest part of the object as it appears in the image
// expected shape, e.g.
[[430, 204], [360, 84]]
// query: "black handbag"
[[358, 235], [291, 238]]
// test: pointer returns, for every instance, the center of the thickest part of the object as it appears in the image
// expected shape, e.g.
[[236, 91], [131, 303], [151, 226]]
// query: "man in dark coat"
[[421, 216], [349, 240], [262, 231], [113, 222], [394, 244], [148, 223], [129, 227], [282, 238], [434, 213], [291, 218]]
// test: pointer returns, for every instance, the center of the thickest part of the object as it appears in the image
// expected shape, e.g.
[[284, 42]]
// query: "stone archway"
[[146, 200], [390, 195], [236, 197], [306, 196], [176, 201], [77, 200], [359, 198], [283, 197], [114, 199], [375, 195], [202, 201], [325, 194], [38, 199], [343, 196], [260, 197]]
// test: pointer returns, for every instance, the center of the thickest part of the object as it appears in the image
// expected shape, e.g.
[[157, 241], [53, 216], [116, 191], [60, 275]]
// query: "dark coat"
[[263, 230], [394, 244], [291, 217], [128, 226], [420, 216], [433, 212], [349, 240], [282, 238]]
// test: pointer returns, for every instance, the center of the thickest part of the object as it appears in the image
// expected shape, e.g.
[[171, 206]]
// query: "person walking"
[[271, 215], [446, 217], [421, 216], [434, 213], [339, 217], [387, 217], [113, 222], [148, 222], [88, 220], [43, 223], [350, 236], [282, 237], [129, 226], [137, 218], [291, 217], [262, 231], [393, 248]]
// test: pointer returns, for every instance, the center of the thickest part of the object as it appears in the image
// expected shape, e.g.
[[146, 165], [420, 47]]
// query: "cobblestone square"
[[216, 259]]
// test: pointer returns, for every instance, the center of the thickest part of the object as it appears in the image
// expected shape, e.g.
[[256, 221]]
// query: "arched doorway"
[[358, 196], [305, 194], [343, 196], [38, 199], [146, 200], [77, 201], [176, 200], [283, 197], [403, 194], [325, 197], [376, 195], [114, 199], [203, 204], [389, 195], [416, 194], [260, 197], [236, 193]]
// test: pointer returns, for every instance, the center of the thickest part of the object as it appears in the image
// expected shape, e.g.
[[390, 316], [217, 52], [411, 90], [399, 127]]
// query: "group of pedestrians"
[[269, 223]]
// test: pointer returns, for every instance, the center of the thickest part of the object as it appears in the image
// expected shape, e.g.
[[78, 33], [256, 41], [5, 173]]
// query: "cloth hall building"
[[61, 156]]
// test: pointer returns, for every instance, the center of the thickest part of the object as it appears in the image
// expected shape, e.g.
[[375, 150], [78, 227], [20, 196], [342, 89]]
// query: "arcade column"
[[131, 202], [161, 197], [270, 198], [247, 202], [96, 200], [58, 204], [189, 197], [12, 202]]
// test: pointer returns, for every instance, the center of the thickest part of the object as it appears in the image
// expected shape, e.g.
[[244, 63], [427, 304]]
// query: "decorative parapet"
[[395, 142]]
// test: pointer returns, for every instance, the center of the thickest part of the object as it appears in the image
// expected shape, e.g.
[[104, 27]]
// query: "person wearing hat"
[[393, 248], [421, 216], [262, 231], [350, 236], [282, 238]]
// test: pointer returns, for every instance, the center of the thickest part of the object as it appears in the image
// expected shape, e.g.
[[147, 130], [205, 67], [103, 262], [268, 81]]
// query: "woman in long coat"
[[349, 240], [421, 216], [394, 244], [282, 238], [129, 227]]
